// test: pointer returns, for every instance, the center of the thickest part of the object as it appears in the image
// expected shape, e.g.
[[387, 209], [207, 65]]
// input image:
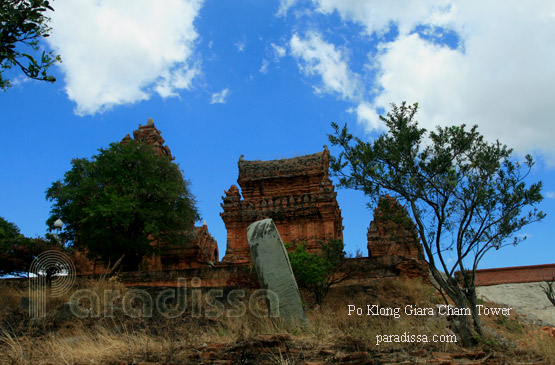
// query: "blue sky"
[[264, 79]]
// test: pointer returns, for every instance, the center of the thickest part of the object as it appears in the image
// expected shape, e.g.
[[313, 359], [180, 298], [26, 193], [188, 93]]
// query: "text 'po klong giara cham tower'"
[[296, 193]]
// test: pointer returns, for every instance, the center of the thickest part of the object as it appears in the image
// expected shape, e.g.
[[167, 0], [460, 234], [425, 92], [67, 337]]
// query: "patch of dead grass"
[[162, 340]]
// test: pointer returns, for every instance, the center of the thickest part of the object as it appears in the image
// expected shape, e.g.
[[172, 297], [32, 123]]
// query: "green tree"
[[17, 251], [23, 24], [465, 195], [318, 271], [119, 201]]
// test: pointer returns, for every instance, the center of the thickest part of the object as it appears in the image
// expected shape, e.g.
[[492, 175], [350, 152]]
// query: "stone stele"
[[274, 270]]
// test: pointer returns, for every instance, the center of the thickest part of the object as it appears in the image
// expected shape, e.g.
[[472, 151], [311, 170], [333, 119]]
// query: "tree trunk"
[[472, 299], [463, 325]]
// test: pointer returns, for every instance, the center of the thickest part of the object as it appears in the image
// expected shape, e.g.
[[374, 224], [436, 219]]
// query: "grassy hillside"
[[334, 336]]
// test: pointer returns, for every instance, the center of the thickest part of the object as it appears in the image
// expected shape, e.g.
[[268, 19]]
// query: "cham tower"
[[392, 232], [149, 134], [296, 193], [202, 251], [392, 235]]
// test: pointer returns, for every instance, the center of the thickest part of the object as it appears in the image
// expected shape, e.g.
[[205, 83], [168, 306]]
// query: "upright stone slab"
[[274, 269]]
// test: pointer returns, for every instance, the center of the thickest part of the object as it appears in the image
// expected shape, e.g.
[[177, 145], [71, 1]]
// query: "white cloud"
[[550, 195], [315, 56], [264, 67], [19, 79], [278, 51], [240, 45], [500, 77], [284, 6], [219, 98], [318, 57], [119, 52], [180, 78], [377, 17], [368, 117]]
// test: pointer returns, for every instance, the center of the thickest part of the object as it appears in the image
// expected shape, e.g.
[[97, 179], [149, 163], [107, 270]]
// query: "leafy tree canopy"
[[119, 201], [17, 251], [465, 195], [23, 24]]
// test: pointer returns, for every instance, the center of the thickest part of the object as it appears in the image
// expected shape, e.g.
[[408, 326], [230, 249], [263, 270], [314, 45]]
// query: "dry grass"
[[162, 340], [9, 299], [83, 345], [541, 345], [331, 321], [521, 338]]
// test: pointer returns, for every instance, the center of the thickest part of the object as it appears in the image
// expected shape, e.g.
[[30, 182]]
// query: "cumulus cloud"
[[499, 75], [279, 51], [377, 17], [120, 52], [315, 56], [550, 195], [366, 115], [219, 98]]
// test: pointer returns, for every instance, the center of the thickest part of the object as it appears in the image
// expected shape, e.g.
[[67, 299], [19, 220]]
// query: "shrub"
[[318, 271]]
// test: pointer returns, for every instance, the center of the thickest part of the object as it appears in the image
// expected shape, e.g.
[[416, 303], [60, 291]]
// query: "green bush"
[[317, 271]]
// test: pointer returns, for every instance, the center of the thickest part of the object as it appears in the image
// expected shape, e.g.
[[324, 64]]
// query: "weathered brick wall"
[[516, 274], [201, 252], [243, 276]]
